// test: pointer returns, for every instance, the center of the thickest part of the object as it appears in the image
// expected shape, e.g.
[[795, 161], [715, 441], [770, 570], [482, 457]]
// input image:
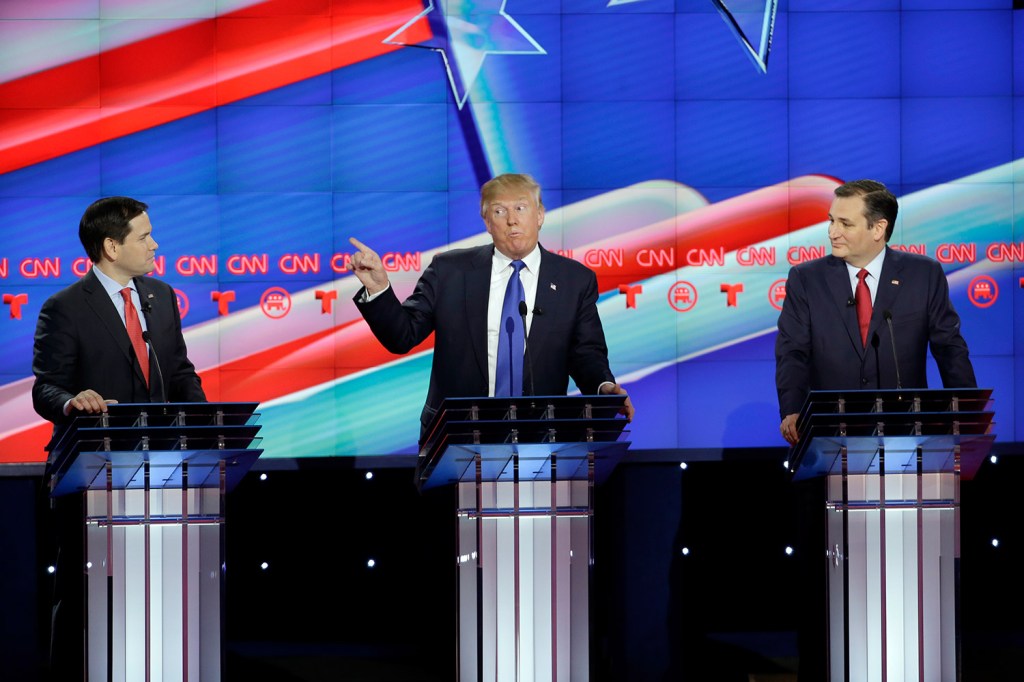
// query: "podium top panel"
[[938, 424], [898, 400], [501, 427], [180, 431]]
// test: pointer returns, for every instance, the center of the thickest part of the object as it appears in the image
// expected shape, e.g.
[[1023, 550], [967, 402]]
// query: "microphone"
[[510, 328], [156, 363], [850, 302], [537, 310], [875, 340], [147, 307], [526, 346], [892, 337]]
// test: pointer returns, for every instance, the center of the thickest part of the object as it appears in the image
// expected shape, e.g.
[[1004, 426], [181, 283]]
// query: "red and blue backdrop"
[[687, 148]]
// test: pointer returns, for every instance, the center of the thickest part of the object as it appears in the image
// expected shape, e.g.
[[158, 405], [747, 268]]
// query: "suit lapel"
[[100, 304], [547, 298], [477, 283], [838, 279], [889, 286]]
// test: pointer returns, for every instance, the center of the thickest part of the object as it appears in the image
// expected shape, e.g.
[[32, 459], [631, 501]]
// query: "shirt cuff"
[[366, 298]]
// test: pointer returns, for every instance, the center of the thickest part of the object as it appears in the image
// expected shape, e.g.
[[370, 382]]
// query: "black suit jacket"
[[819, 345], [451, 299], [81, 343]]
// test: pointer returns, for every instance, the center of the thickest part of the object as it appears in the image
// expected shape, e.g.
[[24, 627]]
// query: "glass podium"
[[525, 471], [893, 460], [153, 480]]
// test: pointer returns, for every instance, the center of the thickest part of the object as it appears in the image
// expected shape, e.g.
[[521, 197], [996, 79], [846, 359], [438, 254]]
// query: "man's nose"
[[513, 218]]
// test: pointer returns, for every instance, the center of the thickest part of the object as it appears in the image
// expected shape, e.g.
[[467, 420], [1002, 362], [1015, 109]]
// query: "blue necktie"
[[508, 378]]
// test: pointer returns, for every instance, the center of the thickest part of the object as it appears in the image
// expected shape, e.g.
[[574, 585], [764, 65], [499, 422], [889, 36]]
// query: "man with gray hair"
[[472, 299]]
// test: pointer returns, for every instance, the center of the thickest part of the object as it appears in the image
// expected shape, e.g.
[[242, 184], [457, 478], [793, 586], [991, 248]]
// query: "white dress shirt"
[[501, 272]]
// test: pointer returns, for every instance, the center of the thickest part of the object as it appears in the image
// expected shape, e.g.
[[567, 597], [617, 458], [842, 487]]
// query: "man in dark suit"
[[459, 297], [85, 358], [834, 333], [821, 345]]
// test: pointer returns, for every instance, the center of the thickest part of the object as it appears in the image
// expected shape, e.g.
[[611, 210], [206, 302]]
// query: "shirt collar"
[[874, 268], [532, 260], [109, 285]]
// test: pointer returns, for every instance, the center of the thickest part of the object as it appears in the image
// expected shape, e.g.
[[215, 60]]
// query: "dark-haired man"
[[836, 309], [90, 351], [84, 356], [833, 334]]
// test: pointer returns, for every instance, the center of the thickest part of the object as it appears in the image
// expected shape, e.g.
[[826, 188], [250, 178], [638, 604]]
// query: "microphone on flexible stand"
[[510, 328], [156, 363], [526, 345], [892, 338], [878, 366]]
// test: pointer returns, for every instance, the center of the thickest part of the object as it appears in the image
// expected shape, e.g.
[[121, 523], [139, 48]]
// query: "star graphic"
[[464, 33], [753, 24], [751, 21]]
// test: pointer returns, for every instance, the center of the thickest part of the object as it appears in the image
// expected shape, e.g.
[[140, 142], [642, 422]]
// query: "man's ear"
[[882, 225], [110, 248]]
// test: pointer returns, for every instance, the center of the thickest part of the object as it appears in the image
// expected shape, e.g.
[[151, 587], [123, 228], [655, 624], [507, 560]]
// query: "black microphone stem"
[[156, 362], [526, 348], [510, 328], [892, 337], [878, 365]]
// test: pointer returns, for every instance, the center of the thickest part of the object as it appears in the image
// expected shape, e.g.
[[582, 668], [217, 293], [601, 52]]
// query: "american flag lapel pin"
[[554, 287], [895, 282]]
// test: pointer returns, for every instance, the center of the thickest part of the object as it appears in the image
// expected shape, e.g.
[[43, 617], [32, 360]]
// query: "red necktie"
[[863, 298], [134, 327]]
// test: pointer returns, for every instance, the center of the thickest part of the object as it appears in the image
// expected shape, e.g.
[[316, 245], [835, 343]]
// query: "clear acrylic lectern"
[[525, 469], [893, 460], [153, 478]]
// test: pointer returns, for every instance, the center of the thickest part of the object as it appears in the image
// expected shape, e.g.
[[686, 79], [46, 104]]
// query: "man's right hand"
[[89, 401], [368, 268], [788, 429]]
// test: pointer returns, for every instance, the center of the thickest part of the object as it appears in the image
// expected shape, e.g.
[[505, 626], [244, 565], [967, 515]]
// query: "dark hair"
[[108, 217], [879, 202]]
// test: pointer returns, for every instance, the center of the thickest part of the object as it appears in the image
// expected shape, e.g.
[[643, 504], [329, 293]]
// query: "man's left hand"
[[627, 409]]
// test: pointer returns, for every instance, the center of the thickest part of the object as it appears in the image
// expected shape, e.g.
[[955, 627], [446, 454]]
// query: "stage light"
[[371, 563], [682, 465], [88, 564], [995, 542], [369, 474], [263, 477], [686, 551], [264, 565], [785, 465], [51, 569], [993, 459], [789, 551]]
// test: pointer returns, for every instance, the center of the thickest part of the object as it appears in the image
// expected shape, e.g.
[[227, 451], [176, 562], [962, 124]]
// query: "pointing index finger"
[[359, 245]]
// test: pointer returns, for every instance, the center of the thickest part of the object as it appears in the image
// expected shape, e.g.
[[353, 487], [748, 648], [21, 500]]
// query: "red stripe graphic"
[[186, 71]]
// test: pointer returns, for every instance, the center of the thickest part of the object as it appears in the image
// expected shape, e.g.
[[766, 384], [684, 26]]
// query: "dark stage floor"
[[728, 610]]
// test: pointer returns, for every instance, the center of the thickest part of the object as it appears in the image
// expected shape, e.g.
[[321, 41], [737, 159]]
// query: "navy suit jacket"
[[566, 338], [81, 343], [819, 346]]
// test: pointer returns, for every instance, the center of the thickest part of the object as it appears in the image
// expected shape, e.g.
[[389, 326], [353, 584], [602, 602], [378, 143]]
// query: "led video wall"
[[688, 151]]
